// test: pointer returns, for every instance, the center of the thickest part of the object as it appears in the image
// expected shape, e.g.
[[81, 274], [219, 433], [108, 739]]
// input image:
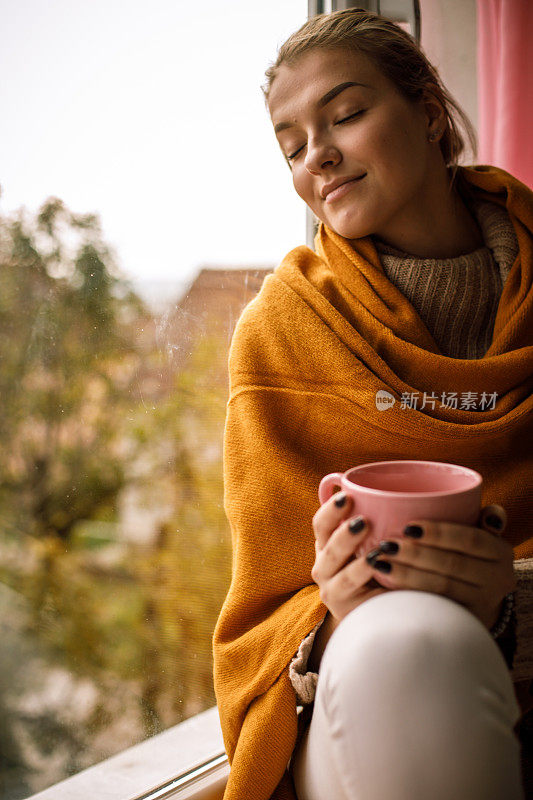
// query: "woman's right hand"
[[344, 580]]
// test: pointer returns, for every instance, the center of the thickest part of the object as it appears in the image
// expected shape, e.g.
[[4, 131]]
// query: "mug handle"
[[328, 482]]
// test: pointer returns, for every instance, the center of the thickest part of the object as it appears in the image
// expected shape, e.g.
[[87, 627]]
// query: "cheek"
[[384, 149], [404, 149], [388, 140], [302, 182]]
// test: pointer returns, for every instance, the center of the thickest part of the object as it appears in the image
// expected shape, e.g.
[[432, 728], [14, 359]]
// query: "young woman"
[[413, 665]]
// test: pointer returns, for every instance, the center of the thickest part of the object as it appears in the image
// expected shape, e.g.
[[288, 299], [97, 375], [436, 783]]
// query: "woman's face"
[[359, 154]]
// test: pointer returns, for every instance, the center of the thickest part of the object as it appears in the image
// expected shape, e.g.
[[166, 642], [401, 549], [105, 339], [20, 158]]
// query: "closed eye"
[[293, 155], [349, 117]]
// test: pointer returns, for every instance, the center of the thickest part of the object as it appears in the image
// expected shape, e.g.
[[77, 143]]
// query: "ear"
[[434, 111]]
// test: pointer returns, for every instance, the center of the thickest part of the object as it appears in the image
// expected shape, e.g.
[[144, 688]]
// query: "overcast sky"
[[151, 115]]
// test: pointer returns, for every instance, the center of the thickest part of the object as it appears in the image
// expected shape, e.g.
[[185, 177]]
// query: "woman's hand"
[[344, 581], [473, 566]]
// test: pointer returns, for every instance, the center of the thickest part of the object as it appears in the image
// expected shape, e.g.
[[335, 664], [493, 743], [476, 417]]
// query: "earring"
[[433, 136]]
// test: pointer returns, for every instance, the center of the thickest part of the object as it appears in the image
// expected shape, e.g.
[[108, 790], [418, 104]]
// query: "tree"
[[187, 573], [92, 406], [69, 357], [67, 336]]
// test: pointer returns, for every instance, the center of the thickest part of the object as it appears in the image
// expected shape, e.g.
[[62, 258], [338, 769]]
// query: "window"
[[144, 200]]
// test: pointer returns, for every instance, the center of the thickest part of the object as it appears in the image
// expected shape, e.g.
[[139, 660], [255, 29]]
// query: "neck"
[[439, 226]]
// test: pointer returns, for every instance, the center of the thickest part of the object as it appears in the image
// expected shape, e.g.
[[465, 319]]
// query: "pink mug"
[[390, 494]]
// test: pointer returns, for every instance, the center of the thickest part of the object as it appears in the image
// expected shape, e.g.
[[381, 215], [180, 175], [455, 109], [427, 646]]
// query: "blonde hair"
[[395, 53]]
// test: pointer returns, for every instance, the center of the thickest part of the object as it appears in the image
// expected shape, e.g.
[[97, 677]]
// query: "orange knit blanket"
[[327, 331]]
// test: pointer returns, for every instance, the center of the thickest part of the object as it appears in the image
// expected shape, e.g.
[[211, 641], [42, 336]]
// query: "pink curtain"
[[505, 85]]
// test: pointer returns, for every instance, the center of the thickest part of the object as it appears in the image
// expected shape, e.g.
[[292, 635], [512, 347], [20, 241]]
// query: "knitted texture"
[[327, 331], [523, 660], [457, 298], [304, 682]]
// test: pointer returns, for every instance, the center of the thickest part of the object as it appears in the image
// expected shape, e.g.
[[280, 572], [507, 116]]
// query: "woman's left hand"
[[473, 566]]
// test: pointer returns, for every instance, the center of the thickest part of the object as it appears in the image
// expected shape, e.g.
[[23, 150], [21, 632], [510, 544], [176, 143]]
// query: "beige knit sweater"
[[457, 298]]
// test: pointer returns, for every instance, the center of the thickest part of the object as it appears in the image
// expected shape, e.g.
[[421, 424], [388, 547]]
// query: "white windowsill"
[[187, 761]]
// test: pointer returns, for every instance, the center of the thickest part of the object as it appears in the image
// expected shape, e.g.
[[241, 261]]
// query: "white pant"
[[414, 702]]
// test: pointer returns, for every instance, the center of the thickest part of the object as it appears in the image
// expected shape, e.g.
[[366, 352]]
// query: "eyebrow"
[[327, 98]]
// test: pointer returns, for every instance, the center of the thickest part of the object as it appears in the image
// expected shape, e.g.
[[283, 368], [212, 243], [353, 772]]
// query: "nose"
[[321, 154]]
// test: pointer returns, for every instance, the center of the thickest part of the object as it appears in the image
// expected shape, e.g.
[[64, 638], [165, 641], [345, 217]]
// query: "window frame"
[[187, 761]]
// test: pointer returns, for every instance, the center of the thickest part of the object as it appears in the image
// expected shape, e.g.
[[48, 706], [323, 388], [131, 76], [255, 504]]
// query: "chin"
[[349, 231], [349, 224]]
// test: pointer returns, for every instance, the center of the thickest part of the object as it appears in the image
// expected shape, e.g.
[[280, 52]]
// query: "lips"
[[336, 189]]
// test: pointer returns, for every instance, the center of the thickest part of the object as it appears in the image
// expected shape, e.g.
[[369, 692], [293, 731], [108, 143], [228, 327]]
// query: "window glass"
[[143, 201]]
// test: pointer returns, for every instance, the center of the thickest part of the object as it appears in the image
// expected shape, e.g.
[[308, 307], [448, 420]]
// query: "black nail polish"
[[415, 531], [391, 548], [382, 566], [340, 500], [494, 522], [356, 525], [372, 555]]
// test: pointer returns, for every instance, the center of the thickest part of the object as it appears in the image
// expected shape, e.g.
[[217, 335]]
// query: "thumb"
[[493, 518]]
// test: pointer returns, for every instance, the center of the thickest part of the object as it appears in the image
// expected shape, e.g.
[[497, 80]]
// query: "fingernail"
[[383, 566], [415, 531], [372, 555], [356, 524], [389, 547], [494, 522], [340, 499]]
